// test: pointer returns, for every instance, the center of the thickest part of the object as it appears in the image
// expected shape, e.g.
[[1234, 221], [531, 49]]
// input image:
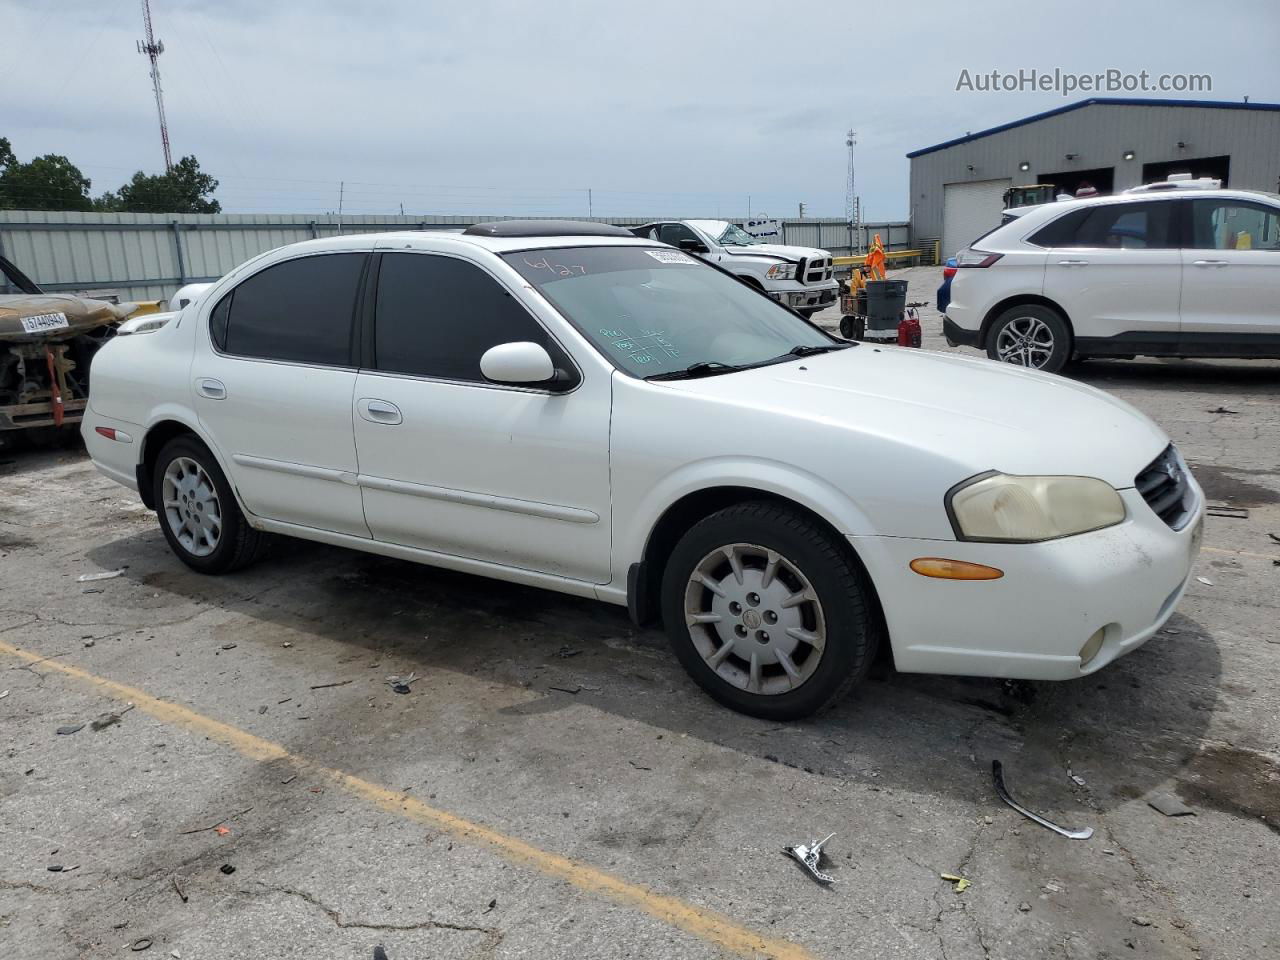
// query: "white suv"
[[568, 406], [1153, 272]]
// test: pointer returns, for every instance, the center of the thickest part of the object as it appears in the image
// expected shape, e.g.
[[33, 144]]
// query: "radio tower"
[[153, 48], [852, 208]]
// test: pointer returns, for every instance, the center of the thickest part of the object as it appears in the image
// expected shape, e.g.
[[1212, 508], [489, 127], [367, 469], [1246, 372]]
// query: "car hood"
[[977, 414], [776, 250]]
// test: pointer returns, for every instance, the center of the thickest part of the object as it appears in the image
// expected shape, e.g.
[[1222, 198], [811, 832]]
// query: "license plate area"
[[44, 322]]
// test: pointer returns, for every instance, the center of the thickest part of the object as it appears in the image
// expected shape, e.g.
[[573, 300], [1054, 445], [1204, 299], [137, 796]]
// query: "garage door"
[[970, 210]]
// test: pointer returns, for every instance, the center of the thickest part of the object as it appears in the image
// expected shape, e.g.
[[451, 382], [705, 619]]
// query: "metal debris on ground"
[[59, 868], [101, 575], [227, 868], [215, 826], [1223, 410], [177, 886], [1205, 580], [3, 695], [1169, 805], [810, 857], [325, 686], [69, 729], [228, 646], [142, 943], [1223, 510], [959, 884], [997, 775], [109, 719], [492, 903], [574, 688], [1274, 536], [401, 684]]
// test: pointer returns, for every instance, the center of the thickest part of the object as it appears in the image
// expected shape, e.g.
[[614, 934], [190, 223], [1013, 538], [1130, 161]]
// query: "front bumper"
[[1032, 623], [805, 296]]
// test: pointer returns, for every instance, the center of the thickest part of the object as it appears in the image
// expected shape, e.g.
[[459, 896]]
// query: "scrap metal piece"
[[809, 857], [997, 774]]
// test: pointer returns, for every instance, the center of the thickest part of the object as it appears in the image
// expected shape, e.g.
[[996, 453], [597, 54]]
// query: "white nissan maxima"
[[568, 406]]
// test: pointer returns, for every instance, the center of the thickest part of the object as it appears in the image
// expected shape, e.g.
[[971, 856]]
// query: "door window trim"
[[352, 341], [367, 319]]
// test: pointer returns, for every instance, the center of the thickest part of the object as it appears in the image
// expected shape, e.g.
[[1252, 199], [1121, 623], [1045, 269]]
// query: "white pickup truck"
[[797, 277]]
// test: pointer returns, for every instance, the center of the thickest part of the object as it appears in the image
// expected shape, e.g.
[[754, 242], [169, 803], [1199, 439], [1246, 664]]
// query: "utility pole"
[[748, 206], [801, 210], [153, 48], [591, 210], [852, 209], [342, 189]]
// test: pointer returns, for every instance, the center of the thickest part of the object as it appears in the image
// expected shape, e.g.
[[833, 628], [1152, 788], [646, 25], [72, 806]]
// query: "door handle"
[[1210, 263], [379, 411], [213, 389], [1073, 263]]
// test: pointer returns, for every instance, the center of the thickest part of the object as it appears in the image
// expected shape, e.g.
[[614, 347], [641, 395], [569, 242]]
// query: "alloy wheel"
[[191, 506], [1025, 341]]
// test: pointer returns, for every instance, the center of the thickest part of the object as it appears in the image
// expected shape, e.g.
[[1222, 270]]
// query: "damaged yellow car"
[[47, 343]]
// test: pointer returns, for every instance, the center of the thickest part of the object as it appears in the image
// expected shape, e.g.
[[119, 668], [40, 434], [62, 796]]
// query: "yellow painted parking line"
[[712, 927], [1239, 553]]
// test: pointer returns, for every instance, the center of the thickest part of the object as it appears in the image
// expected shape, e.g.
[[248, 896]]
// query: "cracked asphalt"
[[554, 787]]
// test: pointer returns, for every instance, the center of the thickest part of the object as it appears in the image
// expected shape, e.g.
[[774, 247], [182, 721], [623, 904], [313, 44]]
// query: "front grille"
[[817, 270], [1165, 486]]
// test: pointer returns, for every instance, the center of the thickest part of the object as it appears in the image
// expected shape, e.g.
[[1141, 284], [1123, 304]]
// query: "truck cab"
[[797, 277]]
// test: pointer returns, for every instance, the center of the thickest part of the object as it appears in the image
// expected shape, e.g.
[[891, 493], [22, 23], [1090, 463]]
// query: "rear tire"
[[198, 511], [1030, 335], [768, 613], [853, 328]]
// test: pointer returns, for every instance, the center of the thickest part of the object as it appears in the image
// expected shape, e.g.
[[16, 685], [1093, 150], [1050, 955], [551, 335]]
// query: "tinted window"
[[218, 322], [1123, 226], [437, 315], [299, 310], [1234, 225], [673, 233]]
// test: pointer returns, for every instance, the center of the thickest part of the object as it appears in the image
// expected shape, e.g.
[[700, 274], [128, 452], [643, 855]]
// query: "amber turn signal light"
[[954, 569]]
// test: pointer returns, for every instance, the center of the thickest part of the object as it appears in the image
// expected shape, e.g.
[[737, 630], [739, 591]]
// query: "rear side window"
[[1120, 226], [300, 310], [437, 315]]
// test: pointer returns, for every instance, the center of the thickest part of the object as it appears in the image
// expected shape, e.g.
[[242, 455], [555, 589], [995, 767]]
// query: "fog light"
[[1092, 646]]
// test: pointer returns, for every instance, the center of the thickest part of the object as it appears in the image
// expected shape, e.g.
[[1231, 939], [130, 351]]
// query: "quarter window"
[[437, 315], [1233, 225], [300, 310]]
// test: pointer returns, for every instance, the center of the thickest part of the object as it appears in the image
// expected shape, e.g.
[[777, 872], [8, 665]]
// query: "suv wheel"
[[767, 612], [198, 510], [1030, 335]]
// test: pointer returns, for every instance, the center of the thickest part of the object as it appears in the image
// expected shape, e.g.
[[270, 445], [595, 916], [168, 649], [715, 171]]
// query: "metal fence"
[[145, 256]]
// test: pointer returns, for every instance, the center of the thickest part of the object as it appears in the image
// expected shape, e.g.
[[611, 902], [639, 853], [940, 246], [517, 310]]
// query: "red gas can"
[[909, 329]]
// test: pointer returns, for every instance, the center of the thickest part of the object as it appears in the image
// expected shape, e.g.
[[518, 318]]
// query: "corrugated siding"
[[1099, 135], [145, 256]]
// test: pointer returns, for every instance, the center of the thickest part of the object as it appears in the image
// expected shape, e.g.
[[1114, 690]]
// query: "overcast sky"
[[660, 108]]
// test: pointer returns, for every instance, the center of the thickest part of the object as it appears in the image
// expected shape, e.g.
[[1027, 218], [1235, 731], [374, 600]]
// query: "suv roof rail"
[[546, 228], [1179, 181]]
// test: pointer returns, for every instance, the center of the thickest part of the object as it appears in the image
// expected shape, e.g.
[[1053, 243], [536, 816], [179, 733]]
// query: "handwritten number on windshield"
[[560, 269]]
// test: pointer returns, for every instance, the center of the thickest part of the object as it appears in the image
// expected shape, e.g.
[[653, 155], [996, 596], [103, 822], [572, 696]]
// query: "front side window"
[[1234, 225], [1116, 226], [657, 311], [437, 315], [673, 233], [300, 310]]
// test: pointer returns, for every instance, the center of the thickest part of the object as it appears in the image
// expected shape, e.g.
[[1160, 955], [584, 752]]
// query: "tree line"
[[52, 182]]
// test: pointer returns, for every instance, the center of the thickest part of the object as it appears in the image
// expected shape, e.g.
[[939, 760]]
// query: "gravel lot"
[[554, 787]]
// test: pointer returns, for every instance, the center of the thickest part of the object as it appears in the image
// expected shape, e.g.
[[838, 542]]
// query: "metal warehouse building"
[[957, 187]]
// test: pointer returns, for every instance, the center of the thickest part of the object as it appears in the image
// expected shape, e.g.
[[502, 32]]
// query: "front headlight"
[[781, 271], [1002, 508]]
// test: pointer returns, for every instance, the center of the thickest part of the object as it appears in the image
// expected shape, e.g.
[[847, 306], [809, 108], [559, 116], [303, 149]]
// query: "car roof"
[[447, 239], [1043, 212]]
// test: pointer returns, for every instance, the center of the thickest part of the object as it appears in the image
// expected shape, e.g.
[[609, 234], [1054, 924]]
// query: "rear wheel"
[[853, 327], [198, 510], [767, 612], [1030, 335]]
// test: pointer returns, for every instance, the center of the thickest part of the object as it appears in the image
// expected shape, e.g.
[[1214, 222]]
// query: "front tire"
[[768, 612], [198, 511], [1030, 335]]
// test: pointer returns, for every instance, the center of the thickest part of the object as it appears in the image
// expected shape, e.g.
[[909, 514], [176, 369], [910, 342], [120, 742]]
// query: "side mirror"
[[522, 364], [692, 246]]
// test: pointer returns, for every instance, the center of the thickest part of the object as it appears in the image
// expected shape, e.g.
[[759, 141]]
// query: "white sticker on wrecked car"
[[45, 321], [670, 256]]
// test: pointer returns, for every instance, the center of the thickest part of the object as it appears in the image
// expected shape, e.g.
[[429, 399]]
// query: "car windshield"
[[656, 311], [735, 236]]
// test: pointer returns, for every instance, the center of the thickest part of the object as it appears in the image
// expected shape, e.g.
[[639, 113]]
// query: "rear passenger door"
[[272, 381], [1231, 275], [1115, 269], [450, 462]]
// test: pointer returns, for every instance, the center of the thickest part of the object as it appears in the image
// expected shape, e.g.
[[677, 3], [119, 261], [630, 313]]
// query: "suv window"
[[300, 310], [673, 233], [1127, 226], [1234, 225], [437, 315]]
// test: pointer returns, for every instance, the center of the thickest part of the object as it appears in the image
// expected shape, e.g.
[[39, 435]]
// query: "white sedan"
[[568, 406]]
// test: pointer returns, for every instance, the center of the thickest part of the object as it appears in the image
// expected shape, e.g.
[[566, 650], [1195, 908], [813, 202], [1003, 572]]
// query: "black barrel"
[[886, 301]]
